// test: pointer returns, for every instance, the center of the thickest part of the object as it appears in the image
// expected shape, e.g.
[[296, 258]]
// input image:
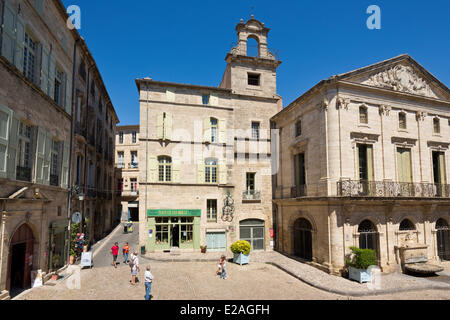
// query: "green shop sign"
[[174, 212]]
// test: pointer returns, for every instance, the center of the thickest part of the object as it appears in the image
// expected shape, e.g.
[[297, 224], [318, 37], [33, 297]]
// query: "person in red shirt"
[[115, 253]]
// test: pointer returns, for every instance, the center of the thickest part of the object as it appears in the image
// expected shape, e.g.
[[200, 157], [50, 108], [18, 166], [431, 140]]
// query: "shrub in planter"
[[241, 250], [359, 261], [203, 249]]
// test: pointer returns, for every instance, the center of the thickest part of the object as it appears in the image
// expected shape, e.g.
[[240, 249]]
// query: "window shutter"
[[5, 124], [222, 131], [47, 158], [8, 36], [176, 172], [442, 178], [20, 42], [153, 169], [65, 165], [370, 174], [207, 129], [160, 126], [40, 156], [168, 127], [170, 95], [12, 148], [68, 104], [44, 69], [213, 100], [223, 172], [52, 76], [201, 173]]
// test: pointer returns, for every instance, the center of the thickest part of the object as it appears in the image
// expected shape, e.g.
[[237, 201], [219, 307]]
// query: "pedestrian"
[[126, 250], [134, 265], [115, 253], [148, 283], [219, 267], [223, 273]]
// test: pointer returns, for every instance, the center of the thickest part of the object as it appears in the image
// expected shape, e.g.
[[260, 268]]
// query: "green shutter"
[[12, 148], [52, 76], [400, 170], [20, 42], [370, 171], [152, 169], [40, 156], [168, 127], [160, 126], [9, 33], [5, 124], [442, 177], [68, 102], [44, 69], [222, 131], [65, 165], [47, 158]]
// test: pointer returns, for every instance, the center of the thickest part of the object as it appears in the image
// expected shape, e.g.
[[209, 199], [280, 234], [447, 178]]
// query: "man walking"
[[126, 250], [148, 283], [115, 253]]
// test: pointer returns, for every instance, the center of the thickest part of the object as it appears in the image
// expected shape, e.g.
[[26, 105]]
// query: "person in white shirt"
[[134, 264], [148, 283]]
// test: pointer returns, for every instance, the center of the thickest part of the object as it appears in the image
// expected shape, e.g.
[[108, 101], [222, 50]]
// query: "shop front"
[[173, 228], [58, 245]]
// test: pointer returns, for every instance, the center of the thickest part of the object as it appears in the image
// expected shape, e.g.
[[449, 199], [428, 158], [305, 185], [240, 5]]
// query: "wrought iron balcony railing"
[[299, 191], [23, 174], [355, 188], [251, 195]]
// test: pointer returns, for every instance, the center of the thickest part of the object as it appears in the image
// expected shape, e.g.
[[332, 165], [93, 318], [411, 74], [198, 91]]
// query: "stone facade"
[[36, 103], [371, 144], [204, 168], [127, 164]]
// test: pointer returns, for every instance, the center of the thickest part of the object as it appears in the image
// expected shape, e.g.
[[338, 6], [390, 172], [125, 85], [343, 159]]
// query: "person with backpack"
[[134, 265]]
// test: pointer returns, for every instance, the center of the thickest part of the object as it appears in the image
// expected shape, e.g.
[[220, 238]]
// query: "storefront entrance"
[[303, 239], [20, 260], [252, 230]]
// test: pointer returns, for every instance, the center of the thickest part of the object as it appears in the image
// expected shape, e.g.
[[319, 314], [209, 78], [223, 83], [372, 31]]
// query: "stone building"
[[127, 164], [205, 173], [37, 96], [364, 161]]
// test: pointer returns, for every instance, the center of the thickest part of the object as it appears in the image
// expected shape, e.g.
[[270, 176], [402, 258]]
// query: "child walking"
[[222, 264]]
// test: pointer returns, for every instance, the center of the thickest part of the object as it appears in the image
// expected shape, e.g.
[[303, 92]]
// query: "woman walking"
[[134, 265]]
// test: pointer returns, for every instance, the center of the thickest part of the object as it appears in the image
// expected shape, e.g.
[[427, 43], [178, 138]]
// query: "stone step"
[[4, 295]]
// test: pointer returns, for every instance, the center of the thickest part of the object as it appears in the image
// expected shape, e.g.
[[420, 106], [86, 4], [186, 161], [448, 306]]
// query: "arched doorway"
[[303, 239], [443, 239], [20, 259], [252, 230], [368, 236]]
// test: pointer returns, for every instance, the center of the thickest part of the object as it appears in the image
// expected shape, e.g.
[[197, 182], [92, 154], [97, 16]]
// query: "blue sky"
[[186, 41]]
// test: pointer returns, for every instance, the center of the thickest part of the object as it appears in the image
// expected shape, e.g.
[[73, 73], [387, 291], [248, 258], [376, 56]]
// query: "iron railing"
[[23, 174], [357, 188], [298, 191], [250, 195]]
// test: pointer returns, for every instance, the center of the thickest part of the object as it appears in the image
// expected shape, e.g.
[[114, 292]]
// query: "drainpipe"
[[3, 238], [69, 178]]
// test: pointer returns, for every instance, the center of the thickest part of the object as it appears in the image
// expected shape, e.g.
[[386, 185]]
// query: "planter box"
[[359, 275], [241, 258]]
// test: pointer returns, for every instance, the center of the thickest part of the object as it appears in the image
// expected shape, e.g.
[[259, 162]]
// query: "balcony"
[[128, 193], [299, 191], [54, 180], [133, 165], [356, 188], [23, 174], [251, 195], [296, 192]]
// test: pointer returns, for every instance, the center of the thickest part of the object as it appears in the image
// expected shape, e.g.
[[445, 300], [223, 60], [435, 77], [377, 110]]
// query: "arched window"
[[363, 117], [211, 170], [402, 120], [252, 46], [164, 169], [368, 235], [406, 225], [443, 239]]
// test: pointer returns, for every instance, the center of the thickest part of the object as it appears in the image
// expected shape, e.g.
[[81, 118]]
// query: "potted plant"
[[203, 249], [358, 262], [241, 250]]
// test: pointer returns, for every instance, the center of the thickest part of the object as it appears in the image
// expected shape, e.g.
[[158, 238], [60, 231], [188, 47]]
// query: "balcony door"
[[300, 174], [404, 165]]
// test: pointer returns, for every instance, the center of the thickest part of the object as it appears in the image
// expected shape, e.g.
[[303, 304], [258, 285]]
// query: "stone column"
[[336, 227]]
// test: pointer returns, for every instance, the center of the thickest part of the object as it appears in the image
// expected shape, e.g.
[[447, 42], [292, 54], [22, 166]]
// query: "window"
[[133, 184], [300, 175], [211, 210], [120, 161], [406, 225], [134, 159], [402, 120], [365, 164], [29, 57], [213, 130], [255, 130], [253, 79], [120, 137], [211, 171], [165, 169], [363, 117], [133, 136], [58, 87], [404, 165], [54, 172], [436, 126], [298, 128], [205, 99], [24, 153], [251, 181], [78, 173]]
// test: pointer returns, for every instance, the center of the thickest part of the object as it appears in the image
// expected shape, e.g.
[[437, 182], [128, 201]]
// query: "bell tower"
[[255, 76]]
